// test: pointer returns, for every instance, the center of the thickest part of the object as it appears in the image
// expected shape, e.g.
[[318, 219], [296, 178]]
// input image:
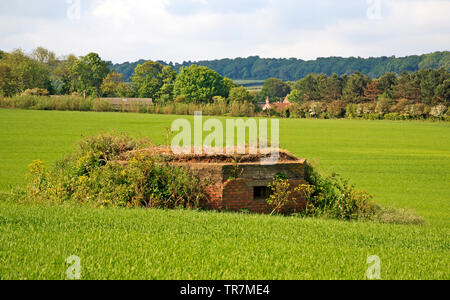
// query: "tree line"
[[43, 73], [257, 68]]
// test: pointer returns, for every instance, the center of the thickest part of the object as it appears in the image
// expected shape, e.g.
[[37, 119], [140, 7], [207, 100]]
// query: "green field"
[[252, 85], [404, 164]]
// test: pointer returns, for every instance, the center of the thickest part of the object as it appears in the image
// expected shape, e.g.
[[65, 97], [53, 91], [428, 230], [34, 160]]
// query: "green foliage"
[[19, 72], [387, 83], [35, 92], [89, 72], [199, 84], [354, 87], [296, 96], [114, 86], [61, 103], [150, 78], [307, 88], [281, 195], [256, 68], [7, 86], [275, 89], [240, 94], [103, 171], [335, 197]]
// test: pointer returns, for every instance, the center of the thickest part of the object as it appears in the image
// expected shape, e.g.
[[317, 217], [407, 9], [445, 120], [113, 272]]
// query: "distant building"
[[278, 105]]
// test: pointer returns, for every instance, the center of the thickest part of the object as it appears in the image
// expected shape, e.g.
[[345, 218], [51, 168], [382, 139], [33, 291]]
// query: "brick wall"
[[236, 195]]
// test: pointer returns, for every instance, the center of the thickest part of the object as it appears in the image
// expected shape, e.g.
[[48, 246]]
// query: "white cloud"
[[134, 29]]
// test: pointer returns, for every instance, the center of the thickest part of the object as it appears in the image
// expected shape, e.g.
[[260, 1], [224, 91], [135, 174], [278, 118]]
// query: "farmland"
[[253, 85], [403, 164]]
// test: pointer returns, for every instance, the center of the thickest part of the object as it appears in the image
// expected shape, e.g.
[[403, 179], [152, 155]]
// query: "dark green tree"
[[330, 88], [354, 88], [443, 92], [308, 88], [148, 79], [90, 70], [387, 83], [7, 87], [275, 89], [169, 75], [25, 73]]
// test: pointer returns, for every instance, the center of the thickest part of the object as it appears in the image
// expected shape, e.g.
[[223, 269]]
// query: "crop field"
[[403, 164], [252, 85]]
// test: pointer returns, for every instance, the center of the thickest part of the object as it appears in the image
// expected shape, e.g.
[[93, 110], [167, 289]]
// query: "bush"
[[36, 92], [281, 194], [108, 170], [336, 109], [394, 117], [351, 111], [334, 197]]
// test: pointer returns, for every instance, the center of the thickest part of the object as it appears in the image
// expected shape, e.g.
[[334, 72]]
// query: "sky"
[[182, 30]]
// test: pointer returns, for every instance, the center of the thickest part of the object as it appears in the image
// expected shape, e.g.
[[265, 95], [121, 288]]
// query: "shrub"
[[335, 197], [351, 111], [383, 106], [109, 170], [336, 109], [394, 117], [297, 111], [36, 92], [281, 194], [438, 111]]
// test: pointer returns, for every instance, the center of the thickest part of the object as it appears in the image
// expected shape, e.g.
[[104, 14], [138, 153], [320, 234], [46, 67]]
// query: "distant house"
[[277, 105]]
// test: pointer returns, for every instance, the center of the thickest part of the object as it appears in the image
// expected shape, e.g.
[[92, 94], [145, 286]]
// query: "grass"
[[255, 85], [404, 164]]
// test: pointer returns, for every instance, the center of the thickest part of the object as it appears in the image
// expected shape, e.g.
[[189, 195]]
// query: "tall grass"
[[76, 103]]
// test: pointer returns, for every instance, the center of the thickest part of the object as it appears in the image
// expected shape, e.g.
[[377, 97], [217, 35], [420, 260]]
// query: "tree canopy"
[[90, 70], [292, 69], [240, 94], [199, 84], [275, 89]]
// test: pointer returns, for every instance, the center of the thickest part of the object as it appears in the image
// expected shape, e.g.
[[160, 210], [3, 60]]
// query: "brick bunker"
[[241, 182]]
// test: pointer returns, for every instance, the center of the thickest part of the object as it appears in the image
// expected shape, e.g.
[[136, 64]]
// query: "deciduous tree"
[[275, 89], [148, 79], [90, 71], [7, 87], [371, 92], [240, 94], [199, 84]]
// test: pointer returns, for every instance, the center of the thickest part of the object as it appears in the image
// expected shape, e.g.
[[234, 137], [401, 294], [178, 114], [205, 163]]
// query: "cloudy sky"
[[177, 30]]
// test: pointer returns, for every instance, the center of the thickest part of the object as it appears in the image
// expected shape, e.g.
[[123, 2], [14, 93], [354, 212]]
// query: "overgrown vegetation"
[[334, 197], [104, 173], [190, 245], [109, 170], [76, 103]]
